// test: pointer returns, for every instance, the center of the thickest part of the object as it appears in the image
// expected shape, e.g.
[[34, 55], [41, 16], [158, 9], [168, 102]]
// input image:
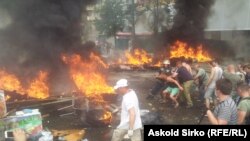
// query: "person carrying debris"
[[186, 63], [202, 78], [225, 113], [130, 124], [186, 79], [244, 105], [160, 83], [173, 89]]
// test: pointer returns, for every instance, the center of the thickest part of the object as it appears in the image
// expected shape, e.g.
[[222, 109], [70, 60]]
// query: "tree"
[[159, 14], [111, 18]]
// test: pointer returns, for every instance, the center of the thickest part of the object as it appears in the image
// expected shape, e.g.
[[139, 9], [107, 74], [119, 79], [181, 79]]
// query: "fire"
[[87, 76], [10, 82], [7, 97], [98, 59], [38, 87], [181, 49], [106, 117], [158, 64], [137, 57]]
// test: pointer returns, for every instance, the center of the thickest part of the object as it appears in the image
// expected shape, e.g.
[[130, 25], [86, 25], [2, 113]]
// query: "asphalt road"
[[141, 82]]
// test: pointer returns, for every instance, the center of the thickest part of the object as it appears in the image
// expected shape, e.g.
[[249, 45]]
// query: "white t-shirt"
[[217, 75], [130, 100]]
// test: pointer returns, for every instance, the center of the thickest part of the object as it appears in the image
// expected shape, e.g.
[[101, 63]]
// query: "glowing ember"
[[137, 57], [107, 116], [10, 82], [38, 87], [87, 76], [181, 49]]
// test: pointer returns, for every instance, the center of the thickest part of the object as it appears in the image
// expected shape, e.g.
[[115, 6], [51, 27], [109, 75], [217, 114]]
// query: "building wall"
[[229, 15]]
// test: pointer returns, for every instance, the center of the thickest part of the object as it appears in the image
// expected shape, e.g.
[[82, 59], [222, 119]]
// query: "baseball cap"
[[121, 83]]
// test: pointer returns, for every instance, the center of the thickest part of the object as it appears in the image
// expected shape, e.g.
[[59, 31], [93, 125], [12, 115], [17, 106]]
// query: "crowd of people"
[[225, 92]]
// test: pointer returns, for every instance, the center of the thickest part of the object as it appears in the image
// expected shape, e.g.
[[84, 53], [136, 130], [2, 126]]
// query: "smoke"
[[240, 45], [143, 22], [229, 15], [231, 18], [190, 20], [36, 33]]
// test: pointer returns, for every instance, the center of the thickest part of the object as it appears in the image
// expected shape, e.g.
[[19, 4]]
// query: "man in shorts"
[[173, 89]]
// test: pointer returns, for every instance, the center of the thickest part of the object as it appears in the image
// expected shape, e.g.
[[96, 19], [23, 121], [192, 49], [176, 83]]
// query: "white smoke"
[[146, 21], [5, 18]]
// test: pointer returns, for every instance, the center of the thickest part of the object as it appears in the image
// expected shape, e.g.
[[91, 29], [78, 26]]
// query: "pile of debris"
[[81, 107]]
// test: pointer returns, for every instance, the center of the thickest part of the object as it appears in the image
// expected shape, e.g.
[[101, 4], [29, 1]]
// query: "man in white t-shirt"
[[130, 124]]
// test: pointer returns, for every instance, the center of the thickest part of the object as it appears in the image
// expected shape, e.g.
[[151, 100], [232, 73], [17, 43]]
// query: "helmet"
[[166, 62]]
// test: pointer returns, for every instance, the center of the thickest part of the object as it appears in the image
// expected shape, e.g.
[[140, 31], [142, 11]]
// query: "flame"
[[69, 135], [137, 57], [7, 97], [99, 60], [87, 76], [158, 64], [106, 117], [181, 49], [10, 82], [38, 87]]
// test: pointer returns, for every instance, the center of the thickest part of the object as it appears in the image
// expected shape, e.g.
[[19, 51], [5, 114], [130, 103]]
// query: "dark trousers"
[[201, 91], [158, 87]]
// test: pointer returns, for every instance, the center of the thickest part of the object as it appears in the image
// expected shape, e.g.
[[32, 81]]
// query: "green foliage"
[[111, 18]]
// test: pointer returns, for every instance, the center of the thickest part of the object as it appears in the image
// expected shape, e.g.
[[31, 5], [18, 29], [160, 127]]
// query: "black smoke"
[[190, 20], [39, 32]]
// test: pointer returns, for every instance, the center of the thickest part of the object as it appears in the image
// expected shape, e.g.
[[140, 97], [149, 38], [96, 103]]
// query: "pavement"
[[141, 82]]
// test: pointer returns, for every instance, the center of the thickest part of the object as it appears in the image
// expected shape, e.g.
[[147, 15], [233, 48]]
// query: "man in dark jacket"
[[160, 83]]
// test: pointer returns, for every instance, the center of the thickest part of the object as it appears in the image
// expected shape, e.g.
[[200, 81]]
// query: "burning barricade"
[[90, 111], [183, 50], [37, 88], [140, 59], [90, 103], [136, 59]]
